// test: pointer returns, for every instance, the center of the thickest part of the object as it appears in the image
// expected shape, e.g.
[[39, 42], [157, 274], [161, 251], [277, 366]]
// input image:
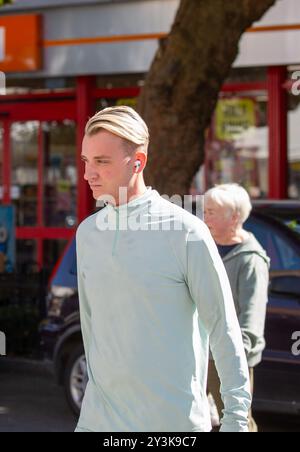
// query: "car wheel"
[[75, 378]]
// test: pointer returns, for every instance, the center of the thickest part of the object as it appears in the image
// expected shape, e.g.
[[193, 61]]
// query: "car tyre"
[[75, 378]]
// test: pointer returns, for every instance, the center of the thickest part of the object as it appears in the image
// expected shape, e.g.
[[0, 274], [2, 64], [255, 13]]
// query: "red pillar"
[[85, 109], [277, 119], [41, 198]]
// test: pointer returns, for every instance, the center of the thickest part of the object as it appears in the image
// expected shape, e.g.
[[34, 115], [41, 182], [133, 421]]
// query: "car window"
[[294, 224], [289, 255], [283, 253], [288, 217], [66, 272]]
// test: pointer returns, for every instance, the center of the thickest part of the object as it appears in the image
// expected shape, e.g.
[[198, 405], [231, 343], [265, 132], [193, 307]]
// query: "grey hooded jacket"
[[247, 267]]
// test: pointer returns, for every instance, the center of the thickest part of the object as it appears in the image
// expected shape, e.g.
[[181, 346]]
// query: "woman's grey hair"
[[232, 196], [124, 122]]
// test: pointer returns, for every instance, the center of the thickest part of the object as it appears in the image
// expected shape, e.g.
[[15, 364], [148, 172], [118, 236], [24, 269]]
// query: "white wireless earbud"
[[137, 165]]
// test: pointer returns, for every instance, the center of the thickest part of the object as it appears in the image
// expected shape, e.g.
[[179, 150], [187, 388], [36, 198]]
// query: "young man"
[[153, 292]]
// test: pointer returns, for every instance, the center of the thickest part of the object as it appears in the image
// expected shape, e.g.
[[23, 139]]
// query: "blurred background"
[[61, 62]]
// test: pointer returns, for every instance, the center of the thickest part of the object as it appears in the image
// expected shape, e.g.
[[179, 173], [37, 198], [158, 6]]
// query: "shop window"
[[245, 75], [26, 253], [104, 103], [237, 143], [24, 145], [52, 252], [39, 85], [60, 173]]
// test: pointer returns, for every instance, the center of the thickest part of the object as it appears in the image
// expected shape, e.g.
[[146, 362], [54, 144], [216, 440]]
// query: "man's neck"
[[139, 189]]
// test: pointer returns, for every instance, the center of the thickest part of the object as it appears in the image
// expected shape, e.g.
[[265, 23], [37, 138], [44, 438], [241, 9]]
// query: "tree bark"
[[182, 86]]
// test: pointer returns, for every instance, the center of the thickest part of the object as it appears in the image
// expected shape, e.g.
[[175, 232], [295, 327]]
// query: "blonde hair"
[[232, 196], [122, 121]]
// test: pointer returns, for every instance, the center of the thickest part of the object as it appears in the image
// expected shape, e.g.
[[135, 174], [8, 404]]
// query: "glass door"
[[237, 143], [24, 142], [60, 174], [39, 177]]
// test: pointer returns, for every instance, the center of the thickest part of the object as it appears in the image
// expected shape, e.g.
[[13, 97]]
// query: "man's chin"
[[101, 196], [97, 193], [96, 196]]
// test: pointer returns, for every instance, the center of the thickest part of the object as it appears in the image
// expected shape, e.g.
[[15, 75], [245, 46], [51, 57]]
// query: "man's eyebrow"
[[106, 157], [97, 157]]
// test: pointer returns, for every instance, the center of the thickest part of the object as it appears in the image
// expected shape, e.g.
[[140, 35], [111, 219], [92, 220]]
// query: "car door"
[[277, 377]]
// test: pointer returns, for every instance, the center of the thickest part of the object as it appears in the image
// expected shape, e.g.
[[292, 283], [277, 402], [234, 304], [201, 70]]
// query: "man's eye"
[[104, 162]]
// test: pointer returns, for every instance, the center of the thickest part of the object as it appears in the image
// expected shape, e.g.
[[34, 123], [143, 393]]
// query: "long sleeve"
[[210, 289], [85, 311], [252, 301]]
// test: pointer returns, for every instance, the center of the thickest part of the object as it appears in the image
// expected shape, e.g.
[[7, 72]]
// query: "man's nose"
[[90, 173]]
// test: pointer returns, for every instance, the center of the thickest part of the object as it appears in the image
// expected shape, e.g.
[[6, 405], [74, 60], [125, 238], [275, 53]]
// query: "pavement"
[[31, 401]]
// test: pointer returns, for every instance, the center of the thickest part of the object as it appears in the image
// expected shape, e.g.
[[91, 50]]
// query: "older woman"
[[227, 207]]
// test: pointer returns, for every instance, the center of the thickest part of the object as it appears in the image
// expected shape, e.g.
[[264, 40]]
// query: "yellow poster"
[[130, 102], [233, 117]]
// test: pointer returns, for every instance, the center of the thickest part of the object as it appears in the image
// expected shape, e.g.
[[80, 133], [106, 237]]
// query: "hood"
[[250, 246]]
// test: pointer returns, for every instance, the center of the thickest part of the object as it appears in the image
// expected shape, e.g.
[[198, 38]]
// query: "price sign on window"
[[234, 117]]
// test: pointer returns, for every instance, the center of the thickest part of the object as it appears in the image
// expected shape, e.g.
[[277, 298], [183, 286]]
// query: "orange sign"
[[20, 43]]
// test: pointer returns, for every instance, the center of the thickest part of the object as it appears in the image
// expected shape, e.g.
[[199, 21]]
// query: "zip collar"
[[118, 216], [135, 206]]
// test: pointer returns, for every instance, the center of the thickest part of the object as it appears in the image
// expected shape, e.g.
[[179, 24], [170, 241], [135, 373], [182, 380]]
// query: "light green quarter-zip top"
[[153, 293]]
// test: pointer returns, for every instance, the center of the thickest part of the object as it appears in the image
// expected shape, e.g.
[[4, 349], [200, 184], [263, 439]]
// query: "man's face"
[[107, 165], [218, 219]]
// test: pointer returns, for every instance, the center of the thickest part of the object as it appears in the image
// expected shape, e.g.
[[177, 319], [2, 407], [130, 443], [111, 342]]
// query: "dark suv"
[[277, 226]]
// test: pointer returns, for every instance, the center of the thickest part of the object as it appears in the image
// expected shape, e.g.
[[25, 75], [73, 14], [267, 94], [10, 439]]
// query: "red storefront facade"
[[72, 72], [75, 107]]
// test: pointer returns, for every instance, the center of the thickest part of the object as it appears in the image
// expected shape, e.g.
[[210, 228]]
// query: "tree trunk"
[[183, 83]]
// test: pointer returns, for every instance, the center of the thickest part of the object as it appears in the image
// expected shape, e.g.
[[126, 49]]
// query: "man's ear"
[[142, 157]]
